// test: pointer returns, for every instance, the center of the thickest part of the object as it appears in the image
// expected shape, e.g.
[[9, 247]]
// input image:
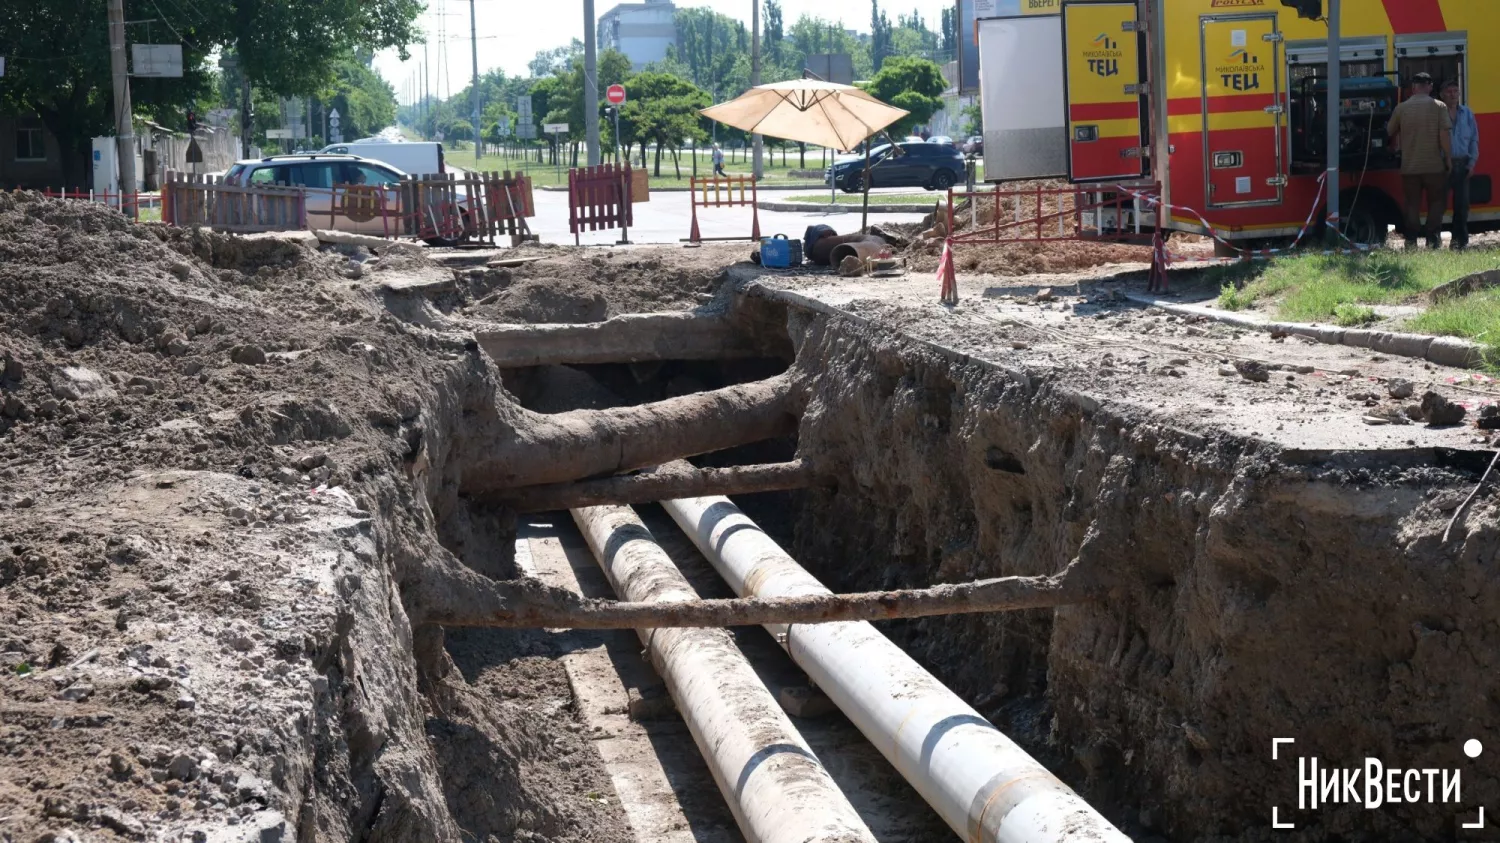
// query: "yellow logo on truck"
[[1104, 57], [1242, 72]]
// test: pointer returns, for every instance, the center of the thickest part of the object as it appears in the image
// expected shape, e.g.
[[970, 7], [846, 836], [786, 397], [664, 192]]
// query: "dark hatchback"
[[930, 165]]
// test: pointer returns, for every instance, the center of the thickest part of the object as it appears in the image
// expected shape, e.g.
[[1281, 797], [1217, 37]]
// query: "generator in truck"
[[1219, 107]]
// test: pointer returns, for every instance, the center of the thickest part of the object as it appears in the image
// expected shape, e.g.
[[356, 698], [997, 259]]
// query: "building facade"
[[642, 31]]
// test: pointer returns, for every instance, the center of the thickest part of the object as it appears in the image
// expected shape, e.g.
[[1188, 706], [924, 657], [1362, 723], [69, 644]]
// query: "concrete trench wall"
[[1256, 597]]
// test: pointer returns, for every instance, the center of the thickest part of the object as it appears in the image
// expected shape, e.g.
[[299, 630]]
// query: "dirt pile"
[[216, 460], [575, 285], [1014, 212]]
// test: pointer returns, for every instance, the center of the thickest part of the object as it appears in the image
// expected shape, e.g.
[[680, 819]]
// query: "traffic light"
[[192, 122], [1310, 9]]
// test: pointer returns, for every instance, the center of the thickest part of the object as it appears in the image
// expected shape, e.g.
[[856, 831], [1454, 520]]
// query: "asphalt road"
[[667, 218]]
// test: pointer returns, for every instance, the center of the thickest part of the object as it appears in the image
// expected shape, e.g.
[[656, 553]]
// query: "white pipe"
[[775, 785], [985, 787]]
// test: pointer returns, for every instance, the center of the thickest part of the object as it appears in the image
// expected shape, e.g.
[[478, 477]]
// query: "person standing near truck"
[[1465, 145], [1421, 126]]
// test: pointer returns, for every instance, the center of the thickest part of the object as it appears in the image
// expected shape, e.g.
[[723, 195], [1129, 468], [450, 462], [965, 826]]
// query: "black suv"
[[930, 165]]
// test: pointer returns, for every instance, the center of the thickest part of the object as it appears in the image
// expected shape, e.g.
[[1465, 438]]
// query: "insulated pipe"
[[985, 787], [775, 785]]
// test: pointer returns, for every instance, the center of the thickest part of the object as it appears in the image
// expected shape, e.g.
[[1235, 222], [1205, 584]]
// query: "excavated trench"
[[1252, 593], [248, 601]]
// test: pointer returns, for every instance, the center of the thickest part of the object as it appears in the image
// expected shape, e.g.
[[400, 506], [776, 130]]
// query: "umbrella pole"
[[864, 215]]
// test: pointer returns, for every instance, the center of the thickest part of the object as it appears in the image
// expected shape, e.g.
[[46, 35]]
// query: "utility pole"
[[1335, 75], [474, 86], [755, 140], [426, 78], [590, 85], [124, 123]]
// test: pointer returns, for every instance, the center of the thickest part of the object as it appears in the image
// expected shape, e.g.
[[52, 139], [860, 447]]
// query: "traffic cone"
[[947, 276], [755, 223], [1157, 281], [693, 235]]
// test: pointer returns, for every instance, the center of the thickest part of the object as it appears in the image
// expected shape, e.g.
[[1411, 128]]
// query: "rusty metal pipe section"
[[985, 787], [777, 788], [862, 249]]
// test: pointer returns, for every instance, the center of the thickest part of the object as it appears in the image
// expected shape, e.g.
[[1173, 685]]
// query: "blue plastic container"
[[779, 253]]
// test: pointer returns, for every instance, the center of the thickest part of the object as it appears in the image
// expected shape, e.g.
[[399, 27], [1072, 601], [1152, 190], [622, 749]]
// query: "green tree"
[[774, 32], [663, 110], [710, 45], [950, 33], [880, 36], [57, 54], [815, 35], [910, 83], [973, 118], [555, 60], [365, 102], [565, 97]]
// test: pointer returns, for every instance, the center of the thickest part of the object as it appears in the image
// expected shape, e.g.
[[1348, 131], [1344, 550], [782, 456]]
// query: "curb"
[[1444, 351], [834, 208]]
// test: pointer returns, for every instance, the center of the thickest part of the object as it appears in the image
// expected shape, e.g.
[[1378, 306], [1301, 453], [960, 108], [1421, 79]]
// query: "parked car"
[[941, 139], [358, 210], [422, 158], [919, 164], [974, 145]]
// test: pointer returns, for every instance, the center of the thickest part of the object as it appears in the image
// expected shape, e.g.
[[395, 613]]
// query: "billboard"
[[156, 60], [830, 67]]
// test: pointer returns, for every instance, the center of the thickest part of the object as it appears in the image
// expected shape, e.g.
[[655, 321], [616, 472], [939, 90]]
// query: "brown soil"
[[209, 448], [574, 285]]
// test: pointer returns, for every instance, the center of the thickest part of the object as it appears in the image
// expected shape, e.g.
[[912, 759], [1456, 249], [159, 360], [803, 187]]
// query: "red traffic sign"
[[615, 94]]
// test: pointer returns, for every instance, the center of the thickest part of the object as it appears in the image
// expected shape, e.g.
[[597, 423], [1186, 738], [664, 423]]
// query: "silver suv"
[[344, 192]]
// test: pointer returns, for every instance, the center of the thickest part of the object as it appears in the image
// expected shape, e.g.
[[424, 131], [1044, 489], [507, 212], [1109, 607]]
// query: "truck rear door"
[[1243, 106], [1105, 105]]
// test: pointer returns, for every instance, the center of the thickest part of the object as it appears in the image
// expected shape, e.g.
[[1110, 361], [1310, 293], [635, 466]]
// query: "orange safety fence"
[[723, 196]]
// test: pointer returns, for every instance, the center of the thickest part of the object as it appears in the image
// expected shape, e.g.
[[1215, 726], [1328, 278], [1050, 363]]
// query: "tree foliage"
[[910, 83], [662, 109], [880, 36], [57, 53]]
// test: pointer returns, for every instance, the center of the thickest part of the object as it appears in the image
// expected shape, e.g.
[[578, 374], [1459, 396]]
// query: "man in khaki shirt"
[[1424, 132]]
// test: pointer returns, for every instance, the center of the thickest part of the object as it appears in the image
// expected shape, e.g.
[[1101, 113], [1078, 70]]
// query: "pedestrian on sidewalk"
[[1424, 133], [719, 161], [1465, 146]]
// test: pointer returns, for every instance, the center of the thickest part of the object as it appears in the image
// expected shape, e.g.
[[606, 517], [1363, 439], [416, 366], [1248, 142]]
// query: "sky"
[[511, 32]]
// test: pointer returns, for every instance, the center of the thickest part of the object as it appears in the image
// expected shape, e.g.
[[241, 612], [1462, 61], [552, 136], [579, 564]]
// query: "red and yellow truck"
[[1222, 103]]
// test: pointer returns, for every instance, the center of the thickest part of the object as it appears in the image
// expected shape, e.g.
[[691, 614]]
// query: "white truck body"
[[419, 158]]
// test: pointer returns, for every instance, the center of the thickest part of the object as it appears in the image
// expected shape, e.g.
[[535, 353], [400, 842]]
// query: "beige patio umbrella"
[[809, 110]]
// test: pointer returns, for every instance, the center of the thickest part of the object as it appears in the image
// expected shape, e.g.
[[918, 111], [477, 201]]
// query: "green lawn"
[[923, 198], [736, 164], [1341, 288]]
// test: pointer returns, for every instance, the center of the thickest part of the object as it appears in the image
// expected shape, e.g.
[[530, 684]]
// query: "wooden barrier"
[[599, 198], [483, 205], [723, 197], [206, 201], [477, 205]]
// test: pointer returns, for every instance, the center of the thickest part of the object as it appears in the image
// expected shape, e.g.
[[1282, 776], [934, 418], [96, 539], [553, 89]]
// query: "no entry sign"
[[615, 94]]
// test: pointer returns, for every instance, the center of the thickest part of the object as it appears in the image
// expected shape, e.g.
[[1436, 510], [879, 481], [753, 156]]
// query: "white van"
[[419, 158]]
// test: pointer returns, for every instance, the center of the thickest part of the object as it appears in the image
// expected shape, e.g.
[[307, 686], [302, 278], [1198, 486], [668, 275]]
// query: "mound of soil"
[[215, 457], [590, 285]]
